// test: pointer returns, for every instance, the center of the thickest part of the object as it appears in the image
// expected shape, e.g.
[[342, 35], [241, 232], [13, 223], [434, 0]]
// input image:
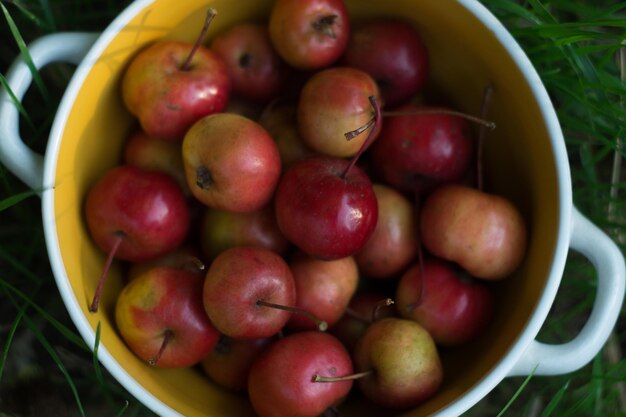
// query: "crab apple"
[[453, 307], [309, 34], [256, 71], [170, 84], [161, 318], [326, 207], [231, 162], [484, 233], [394, 54], [281, 381], [333, 102]]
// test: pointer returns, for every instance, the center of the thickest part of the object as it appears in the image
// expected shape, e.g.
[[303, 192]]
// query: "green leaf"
[[554, 402]]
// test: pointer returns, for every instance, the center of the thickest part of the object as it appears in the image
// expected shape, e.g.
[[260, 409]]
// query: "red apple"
[[333, 102], [484, 233], [323, 288], [309, 34], [324, 211], [453, 308], [231, 162], [135, 215], [161, 318], [281, 379], [423, 146], [167, 91], [237, 281], [394, 54], [256, 71], [393, 245]]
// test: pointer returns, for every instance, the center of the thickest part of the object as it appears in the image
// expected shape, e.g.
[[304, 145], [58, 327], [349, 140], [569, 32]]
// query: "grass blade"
[[517, 393], [9, 339], [554, 402], [25, 53], [64, 330], [16, 102], [57, 360], [15, 199]]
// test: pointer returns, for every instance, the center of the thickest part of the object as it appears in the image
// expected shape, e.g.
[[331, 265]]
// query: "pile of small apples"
[[282, 190]]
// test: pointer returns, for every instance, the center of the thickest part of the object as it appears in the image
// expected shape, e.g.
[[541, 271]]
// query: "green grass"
[[45, 367]]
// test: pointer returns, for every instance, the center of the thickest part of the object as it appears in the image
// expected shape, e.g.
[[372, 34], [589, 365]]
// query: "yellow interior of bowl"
[[465, 57]]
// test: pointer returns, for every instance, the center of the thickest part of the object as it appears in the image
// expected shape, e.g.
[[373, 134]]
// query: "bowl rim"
[[462, 403]]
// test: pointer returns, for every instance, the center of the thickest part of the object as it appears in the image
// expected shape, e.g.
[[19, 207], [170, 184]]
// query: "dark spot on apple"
[[406, 143], [325, 25], [173, 107], [332, 371], [204, 179], [245, 60]]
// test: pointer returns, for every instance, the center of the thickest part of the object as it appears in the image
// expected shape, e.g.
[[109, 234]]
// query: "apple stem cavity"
[[211, 13], [481, 138], [204, 179], [372, 125], [322, 326], [167, 337], [481, 121], [325, 25], [359, 375], [119, 238]]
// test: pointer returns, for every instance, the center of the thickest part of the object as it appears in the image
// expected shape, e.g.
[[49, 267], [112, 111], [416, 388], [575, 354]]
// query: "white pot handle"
[[26, 164], [546, 359]]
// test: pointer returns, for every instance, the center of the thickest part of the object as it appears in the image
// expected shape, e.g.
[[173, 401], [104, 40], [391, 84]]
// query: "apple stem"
[[380, 304], [373, 122], [481, 121], [481, 138], [211, 13], [319, 378], [325, 25], [193, 264], [322, 326], [119, 237], [167, 337]]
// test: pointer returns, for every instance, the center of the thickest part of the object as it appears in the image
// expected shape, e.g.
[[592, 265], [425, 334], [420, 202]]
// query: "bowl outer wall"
[[65, 187]]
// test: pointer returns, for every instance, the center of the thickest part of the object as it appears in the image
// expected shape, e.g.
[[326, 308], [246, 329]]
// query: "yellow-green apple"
[[231, 162], [401, 361]]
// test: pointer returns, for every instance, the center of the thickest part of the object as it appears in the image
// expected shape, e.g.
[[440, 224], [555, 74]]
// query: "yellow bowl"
[[525, 160]]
